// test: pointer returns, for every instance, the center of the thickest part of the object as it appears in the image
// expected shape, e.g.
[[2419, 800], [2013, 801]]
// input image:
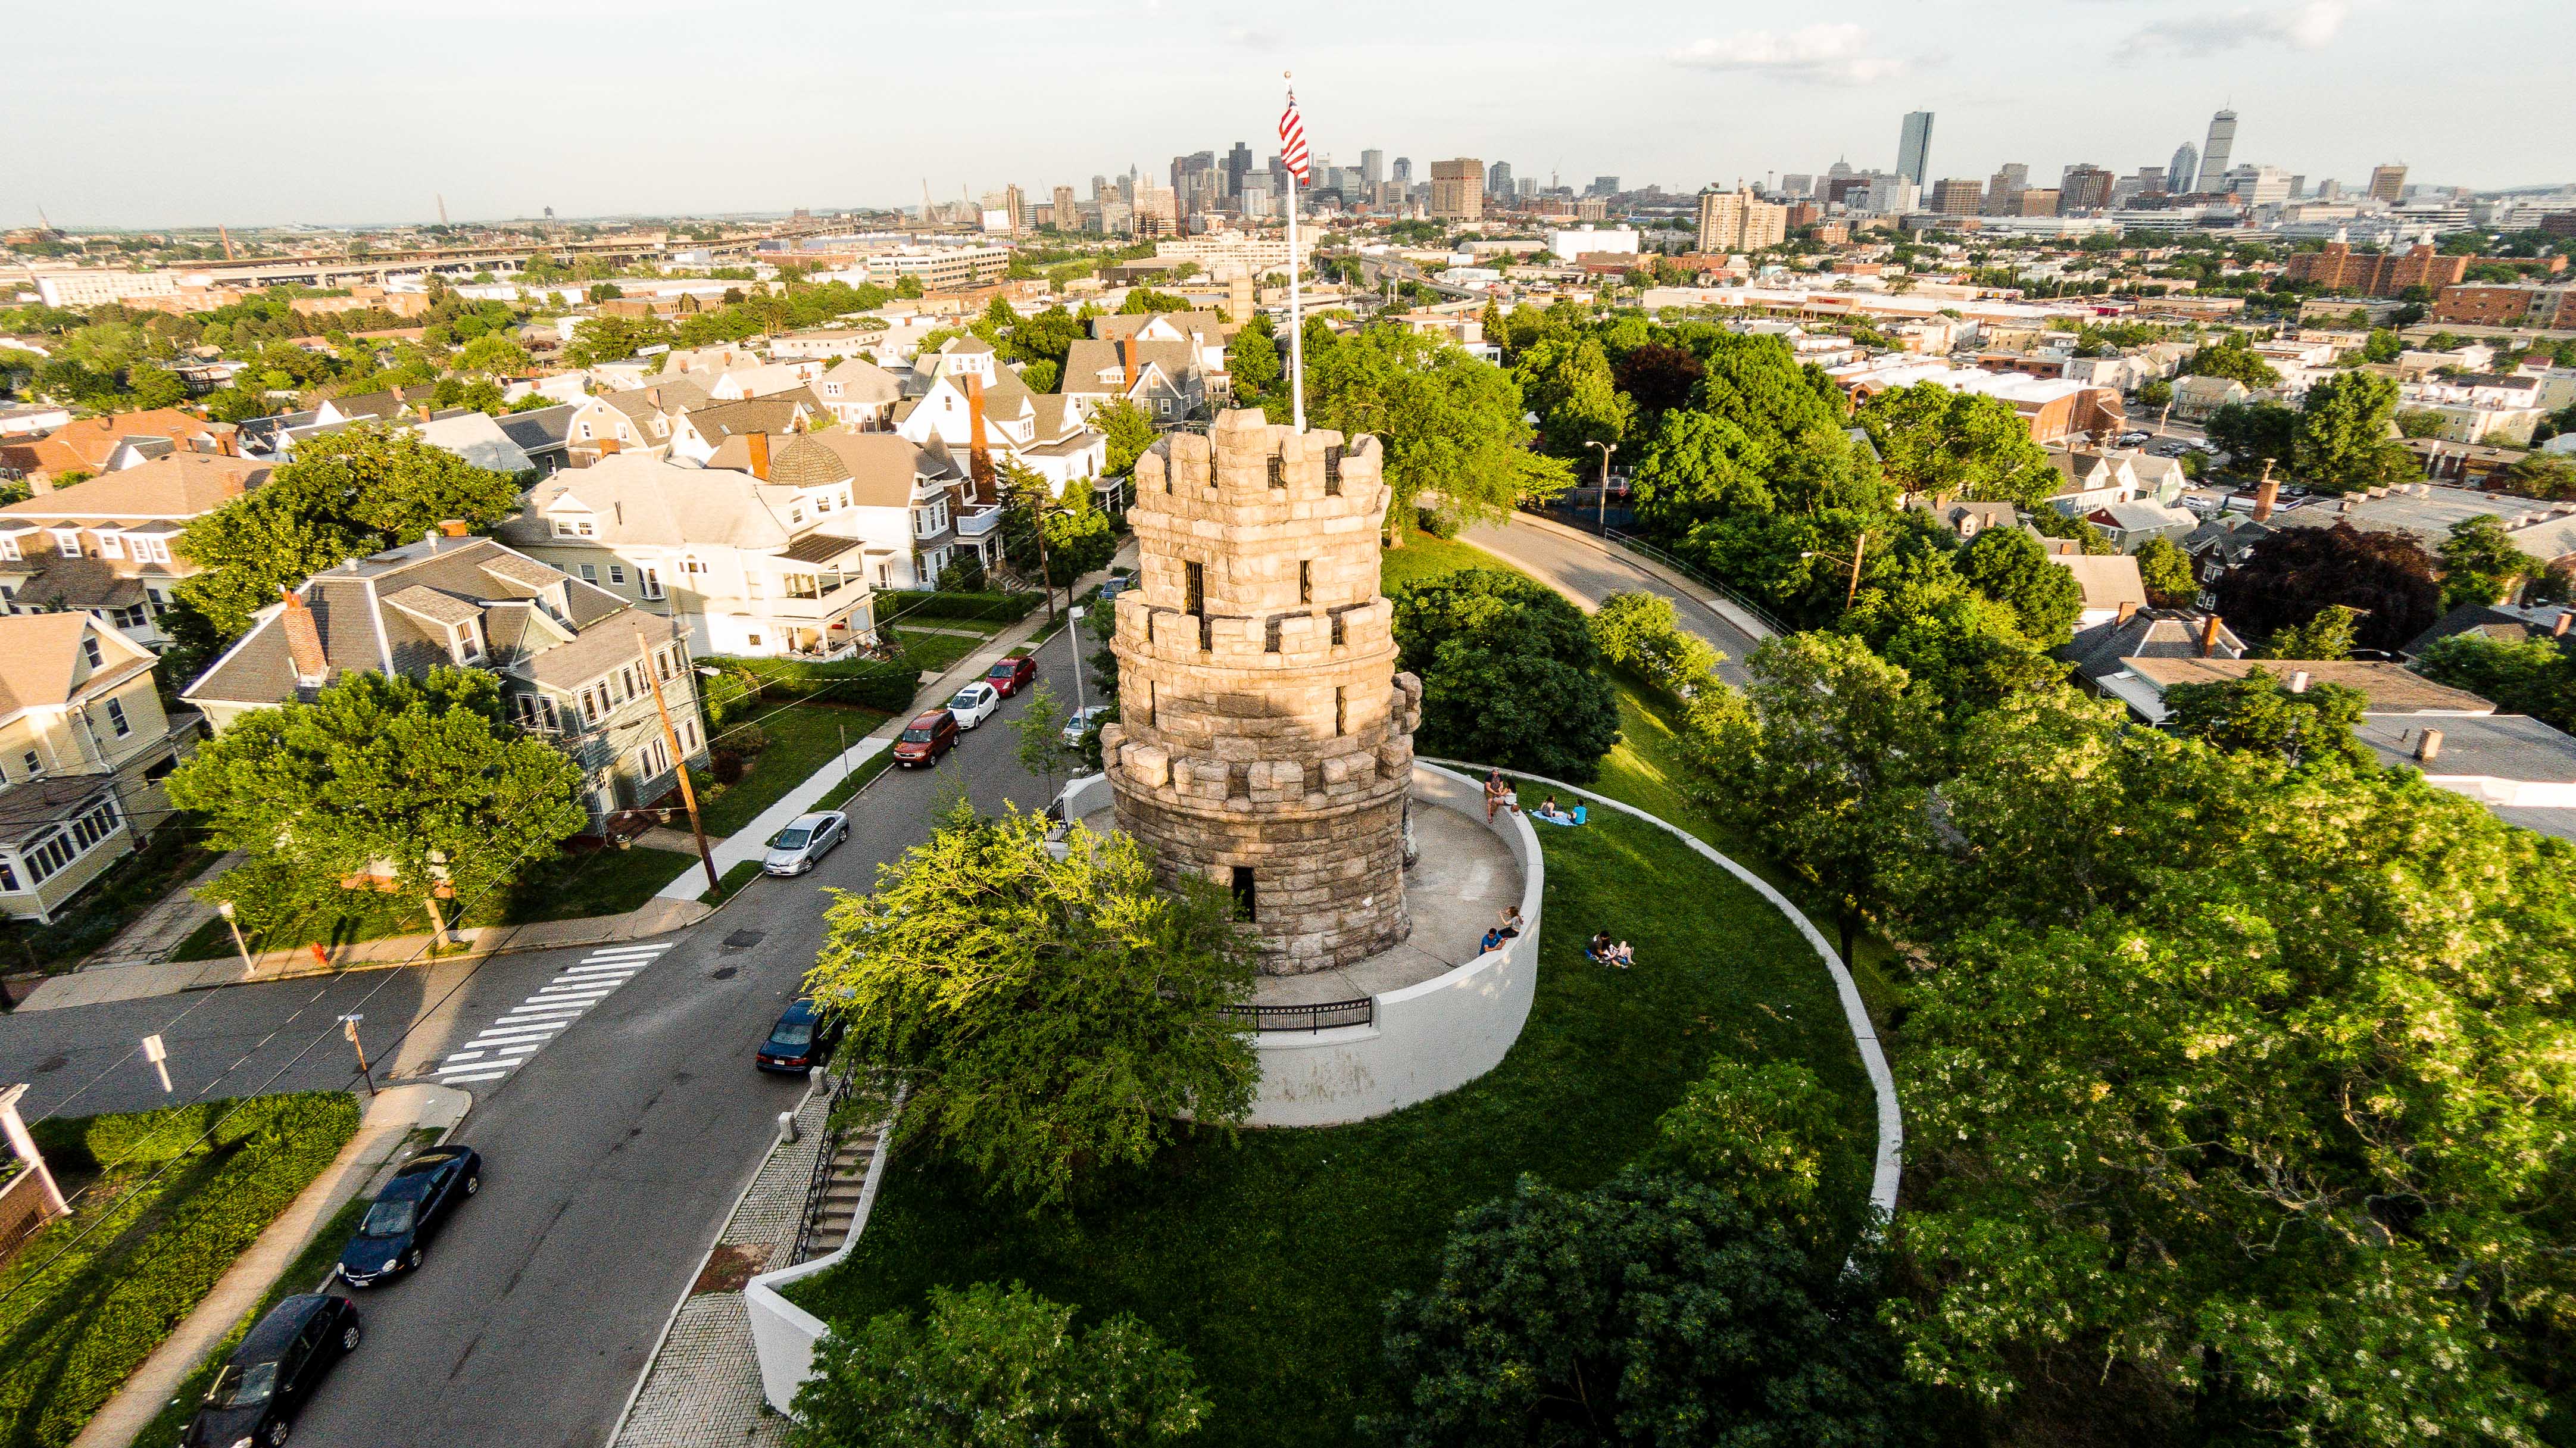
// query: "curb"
[[1882, 1082], [477, 952], [1743, 623]]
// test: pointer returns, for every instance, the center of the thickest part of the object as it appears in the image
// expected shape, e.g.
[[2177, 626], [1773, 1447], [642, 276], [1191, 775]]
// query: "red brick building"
[[2376, 274], [2502, 304]]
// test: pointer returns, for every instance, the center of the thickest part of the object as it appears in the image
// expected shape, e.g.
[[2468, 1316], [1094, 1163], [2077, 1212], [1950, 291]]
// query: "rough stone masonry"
[[1265, 739]]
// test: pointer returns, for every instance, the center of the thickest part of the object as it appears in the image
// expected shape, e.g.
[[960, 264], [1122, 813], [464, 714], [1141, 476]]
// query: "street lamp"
[[1602, 516], [1072, 616], [225, 909], [1860, 546]]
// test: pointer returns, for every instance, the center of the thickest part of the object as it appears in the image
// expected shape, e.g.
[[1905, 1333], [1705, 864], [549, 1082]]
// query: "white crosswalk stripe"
[[526, 1028]]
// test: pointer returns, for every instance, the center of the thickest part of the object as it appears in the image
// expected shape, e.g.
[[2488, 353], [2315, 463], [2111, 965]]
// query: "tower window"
[[1333, 471], [1278, 471], [1341, 710], [1305, 580], [1244, 902], [1337, 631]]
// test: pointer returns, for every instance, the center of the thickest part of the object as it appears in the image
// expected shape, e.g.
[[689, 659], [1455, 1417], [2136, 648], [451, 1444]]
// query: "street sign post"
[[159, 1056]]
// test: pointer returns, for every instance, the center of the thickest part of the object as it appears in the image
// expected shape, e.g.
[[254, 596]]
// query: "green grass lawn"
[[89, 1298], [1424, 556], [568, 887], [930, 652], [1268, 1257], [802, 738], [301, 1275]]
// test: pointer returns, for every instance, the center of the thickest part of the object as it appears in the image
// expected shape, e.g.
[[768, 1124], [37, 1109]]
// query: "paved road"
[[1590, 570], [613, 1150]]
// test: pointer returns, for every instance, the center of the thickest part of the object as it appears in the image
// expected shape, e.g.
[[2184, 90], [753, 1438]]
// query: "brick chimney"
[[2128, 610], [2266, 494], [451, 527], [757, 443], [2429, 747], [303, 641], [2298, 681], [1127, 358], [2558, 630], [2209, 636]]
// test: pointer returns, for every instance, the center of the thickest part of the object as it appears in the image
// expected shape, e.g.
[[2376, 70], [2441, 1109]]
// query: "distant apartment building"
[[92, 287], [1732, 221], [2507, 304], [2388, 183], [1458, 189], [2083, 188], [1958, 196], [1914, 147], [2375, 274], [941, 268]]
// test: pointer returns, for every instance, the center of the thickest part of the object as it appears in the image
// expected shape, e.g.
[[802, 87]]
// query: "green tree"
[[610, 339], [1565, 379], [1641, 632], [346, 494], [2540, 475], [1059, 1018], [494, 355], [1827, 770], [2329, 637], [2009, 567], [1652, 1312], [2166, 570], [2481, 563], [1758, 1133], [1508, 674], [1697, 467], [1450, 424], [2420, 422], [1252, 357], [155, 386], [2234, 357], [1951, 444], [2260, 712], [2533, 676], [2253, 433], [1129, 431], [2343, 443], [996, 1367], [423, 775], [2155, 392], [2291, 574]]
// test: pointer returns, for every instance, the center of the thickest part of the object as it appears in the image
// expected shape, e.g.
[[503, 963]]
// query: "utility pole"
[[1860, 546], [679, 763], [1602, 516]]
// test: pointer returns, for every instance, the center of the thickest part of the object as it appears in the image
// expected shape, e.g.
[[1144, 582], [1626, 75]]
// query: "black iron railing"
[[1324, 1016], [1640, 545], [821, 1181]]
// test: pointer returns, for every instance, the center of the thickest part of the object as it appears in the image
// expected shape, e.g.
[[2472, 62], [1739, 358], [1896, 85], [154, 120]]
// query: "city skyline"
[[457, 120]]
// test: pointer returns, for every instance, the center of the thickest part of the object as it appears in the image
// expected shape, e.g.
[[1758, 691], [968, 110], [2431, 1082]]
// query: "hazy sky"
[[156, 114]]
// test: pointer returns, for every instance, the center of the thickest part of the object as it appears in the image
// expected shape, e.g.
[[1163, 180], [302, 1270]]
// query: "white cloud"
[[1828, 54], [2311, 25]]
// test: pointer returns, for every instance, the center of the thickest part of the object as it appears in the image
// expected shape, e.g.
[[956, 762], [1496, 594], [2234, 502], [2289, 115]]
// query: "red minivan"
[[926, 738]]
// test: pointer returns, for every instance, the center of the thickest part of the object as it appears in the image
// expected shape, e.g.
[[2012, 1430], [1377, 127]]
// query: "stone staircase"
[[836, 1206]]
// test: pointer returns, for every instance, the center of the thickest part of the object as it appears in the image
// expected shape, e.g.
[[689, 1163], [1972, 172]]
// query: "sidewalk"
[[703, 1384], [391, 1118], [128, 982], [163, 928]]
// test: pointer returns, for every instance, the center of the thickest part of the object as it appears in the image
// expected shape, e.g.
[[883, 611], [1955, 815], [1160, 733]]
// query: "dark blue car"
[[800, 1041], [272, 1375], [411, 1209]]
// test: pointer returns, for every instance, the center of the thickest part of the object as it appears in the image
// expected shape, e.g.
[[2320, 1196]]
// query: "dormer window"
[[67, 542], [90, 651], [574, 528], [469, 641], [110, 544]]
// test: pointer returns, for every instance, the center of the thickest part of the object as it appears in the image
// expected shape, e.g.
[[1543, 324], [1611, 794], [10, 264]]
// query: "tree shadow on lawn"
[[1268, 1255]]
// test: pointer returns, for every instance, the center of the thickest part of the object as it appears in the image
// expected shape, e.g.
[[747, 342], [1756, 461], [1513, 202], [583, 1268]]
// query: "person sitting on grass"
[[1551, 814], [1607, 952]]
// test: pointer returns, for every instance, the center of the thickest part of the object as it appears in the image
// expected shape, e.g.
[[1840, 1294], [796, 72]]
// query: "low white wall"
[[1428, 1039], [783, 1334]]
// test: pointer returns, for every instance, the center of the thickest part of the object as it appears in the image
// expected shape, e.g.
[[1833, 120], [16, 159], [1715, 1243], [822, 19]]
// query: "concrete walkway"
[[163, 928], [391, 1118], [1589, 569]]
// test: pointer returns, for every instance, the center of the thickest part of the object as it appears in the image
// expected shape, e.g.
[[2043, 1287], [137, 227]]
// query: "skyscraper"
[[2003, 193], [1458, 189], [2184, 173], [2083, 187], [2388, 183], [1498, 179], [1403, 172], [2213, 153], [1067, 215], [1238, 164], [1914, 147], [1372, 168], [1602, 186]]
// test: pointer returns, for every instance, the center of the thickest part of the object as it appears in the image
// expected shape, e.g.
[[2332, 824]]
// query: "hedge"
[[896, 605], [886, 688], [88, 1298]]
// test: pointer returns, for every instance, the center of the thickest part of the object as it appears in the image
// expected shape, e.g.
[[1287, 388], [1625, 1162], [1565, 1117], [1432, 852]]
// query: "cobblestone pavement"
[[703, 1387]]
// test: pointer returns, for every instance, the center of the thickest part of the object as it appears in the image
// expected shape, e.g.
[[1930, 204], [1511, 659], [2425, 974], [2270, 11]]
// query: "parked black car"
[[800, 1041], [411, 1209], [272, 1375]]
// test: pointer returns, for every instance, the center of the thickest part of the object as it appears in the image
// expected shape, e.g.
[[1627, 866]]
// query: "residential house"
[[95, 445], [84, 746], [697, 433], [1964, 519], [964, 401], [860, 395], [2544, 530], [2101, 651], [2112, 587], [107, 546], [913, 507], [2088, 479], [764, 380], [828, 344], [2521, 769], [552, 386], [576, 663], [1206, 332], [2132, 522], [2386, 688], [478, 438], [761, 563], [2196, 397], [544, 434], [2502, 623], [640, 418], [1163, 379]]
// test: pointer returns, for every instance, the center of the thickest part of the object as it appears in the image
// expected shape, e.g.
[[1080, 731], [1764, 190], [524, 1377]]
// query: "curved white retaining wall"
[[1882, 1083], [783, 1334]]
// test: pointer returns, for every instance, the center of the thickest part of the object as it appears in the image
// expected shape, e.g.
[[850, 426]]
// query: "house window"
[[469, 642], [617, 573], [110, 546], [652, 760], [1163, 406], [589, 574], [67, 542], [585, 432], [116, 718], [751, 640], [90, 651], [9, 546], [8, 877], [652, 581], [35, 766]]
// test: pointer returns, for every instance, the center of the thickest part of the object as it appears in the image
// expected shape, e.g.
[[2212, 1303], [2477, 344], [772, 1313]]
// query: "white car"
[[805, 841], [975, 703], [1081, 722]]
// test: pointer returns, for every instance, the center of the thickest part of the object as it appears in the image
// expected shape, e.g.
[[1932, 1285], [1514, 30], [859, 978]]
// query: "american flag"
[[1292, 140]]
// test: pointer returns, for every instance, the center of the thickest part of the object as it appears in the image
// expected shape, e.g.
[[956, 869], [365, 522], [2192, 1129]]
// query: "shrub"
[[887, 688], [948, 603], [1641, 632]]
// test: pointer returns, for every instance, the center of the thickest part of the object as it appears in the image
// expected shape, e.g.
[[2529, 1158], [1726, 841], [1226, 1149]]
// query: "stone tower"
[[1265, 740]]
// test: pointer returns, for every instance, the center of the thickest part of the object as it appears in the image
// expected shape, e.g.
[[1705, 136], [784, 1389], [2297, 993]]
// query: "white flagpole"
[[1296, 307]]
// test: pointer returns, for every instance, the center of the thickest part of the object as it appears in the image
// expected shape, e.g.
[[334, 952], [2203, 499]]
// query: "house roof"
[[41, 663], [637, 498], [2504, 625], [865, 382], [2389, 688], [881, 466], [717, 421], [88, 442], [1088, 362], [33, 806], [540, 429], [182, 485], [2137, 515], [2495, 746], [390, 613], [2108, 579], [2104, 649], [479, 439], [656, 396], [389, 404]]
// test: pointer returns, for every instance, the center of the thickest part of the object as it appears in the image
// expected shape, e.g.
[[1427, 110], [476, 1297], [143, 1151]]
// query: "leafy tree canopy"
[[2343, 443], [2291, 574], [1451, 424], [1950, 444], [1508, 673], [2267, 713]]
